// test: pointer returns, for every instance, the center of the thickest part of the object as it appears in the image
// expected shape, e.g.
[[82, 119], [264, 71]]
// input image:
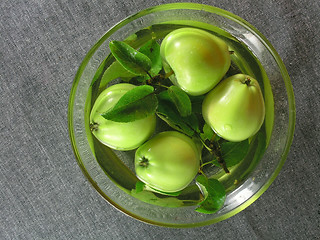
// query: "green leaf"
[[138, 103], [233, 152], [208, 133], [190, 196], [152, 50], [173, 120], [99, 72], [174, 194], [139, 186], [214, 194], [192, 122], [114, 71], [181, 100], [113, 167], [132, 60], [152, 198], [196, 102], [164, 96], [167, 113]]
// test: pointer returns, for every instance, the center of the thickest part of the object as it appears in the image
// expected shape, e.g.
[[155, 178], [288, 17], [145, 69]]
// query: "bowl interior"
[[253, 54]]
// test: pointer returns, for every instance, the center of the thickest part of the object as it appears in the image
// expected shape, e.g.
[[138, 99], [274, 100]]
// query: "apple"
[[235, 108], [168, 162], [118, 135], [198, 59]]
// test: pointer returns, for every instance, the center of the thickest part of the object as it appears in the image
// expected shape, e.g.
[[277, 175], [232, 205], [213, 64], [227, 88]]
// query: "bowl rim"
[[218, 11]]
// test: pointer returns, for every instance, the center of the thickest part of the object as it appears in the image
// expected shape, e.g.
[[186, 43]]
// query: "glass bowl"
[[110, 172]]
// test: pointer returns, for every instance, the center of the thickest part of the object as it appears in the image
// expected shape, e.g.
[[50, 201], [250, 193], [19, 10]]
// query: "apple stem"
[[168, 74], [94, 126], [207, 147], [214, 149], [202, 172], [247, 81], [222, 163], [144, 162], [156, 80], [218, 156], [149, 75], [160, 85], [204, 164]]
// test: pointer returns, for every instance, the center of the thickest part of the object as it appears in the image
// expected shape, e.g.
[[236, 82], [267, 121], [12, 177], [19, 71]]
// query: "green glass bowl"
[[250, 179]]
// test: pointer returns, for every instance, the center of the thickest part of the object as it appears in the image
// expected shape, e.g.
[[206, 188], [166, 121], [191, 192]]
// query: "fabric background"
[[43, 193]]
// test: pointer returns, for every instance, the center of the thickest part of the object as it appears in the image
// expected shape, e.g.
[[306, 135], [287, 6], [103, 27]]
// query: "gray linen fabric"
[[43, 193]]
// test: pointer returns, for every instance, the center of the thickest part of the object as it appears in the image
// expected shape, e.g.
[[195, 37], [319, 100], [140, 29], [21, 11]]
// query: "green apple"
[[198, 59], [118, 135], [168, 162], [235, 108]]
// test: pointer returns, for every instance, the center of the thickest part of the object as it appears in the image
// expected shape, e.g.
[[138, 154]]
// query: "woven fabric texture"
[[43, 193]]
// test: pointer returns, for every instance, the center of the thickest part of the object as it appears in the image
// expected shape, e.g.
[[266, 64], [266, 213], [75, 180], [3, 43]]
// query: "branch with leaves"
[[155, 94]]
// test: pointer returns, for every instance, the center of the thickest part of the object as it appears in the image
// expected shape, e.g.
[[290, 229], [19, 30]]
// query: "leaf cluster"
[[154, 94]]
